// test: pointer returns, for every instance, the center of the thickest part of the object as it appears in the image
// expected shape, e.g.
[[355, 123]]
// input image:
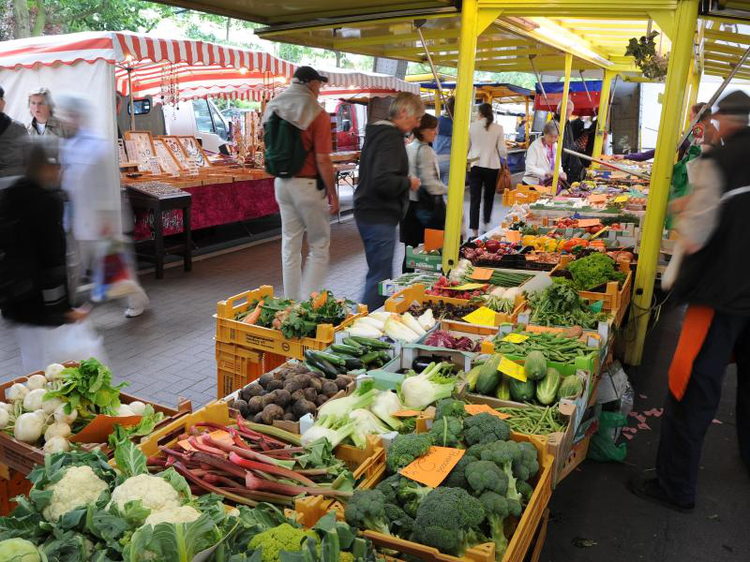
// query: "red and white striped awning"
[[124, 47]]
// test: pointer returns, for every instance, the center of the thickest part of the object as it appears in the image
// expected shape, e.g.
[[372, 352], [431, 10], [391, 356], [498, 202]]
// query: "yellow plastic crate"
[[237, 366], [229, 330]]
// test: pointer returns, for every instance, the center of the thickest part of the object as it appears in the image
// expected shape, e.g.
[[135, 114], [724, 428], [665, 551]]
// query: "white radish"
[[56, 445], [16, 392], [54, 371], [57, 429], [137, 407], [124, 411], [36, 381], [4, 418], [28, 427], [61, 416], [33, 400], [49, 406]]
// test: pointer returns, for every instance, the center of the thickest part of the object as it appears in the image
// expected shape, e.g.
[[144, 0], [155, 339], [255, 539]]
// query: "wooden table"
[[159, 205]]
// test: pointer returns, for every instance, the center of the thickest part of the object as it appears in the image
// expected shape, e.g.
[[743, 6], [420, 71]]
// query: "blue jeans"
[[380, 243]]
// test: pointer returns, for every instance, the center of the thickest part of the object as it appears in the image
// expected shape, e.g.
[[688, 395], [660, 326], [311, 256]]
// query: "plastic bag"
[[603, 447], [41, 345], [114, 275]]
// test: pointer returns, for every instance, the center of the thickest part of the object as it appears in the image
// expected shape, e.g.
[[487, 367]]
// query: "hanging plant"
[[652, 64]]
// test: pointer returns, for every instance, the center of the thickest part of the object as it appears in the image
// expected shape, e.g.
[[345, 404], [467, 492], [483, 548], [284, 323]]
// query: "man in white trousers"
[[94, 200], [307, 198]]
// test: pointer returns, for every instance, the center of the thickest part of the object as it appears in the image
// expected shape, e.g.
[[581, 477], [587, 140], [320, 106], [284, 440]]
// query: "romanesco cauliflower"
[[78, 487], [155, 494], [282, 538]]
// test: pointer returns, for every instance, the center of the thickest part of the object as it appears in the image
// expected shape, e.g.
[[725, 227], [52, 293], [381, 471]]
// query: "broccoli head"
[[526, 465], [448, 519], [526, 491], [405, 449], [399, 522], [366, 510], [457, 477], [283, 538], [476, 450], [497, 510], [485, 428], [447, 432], [505, 454], [449, 407], [408, 426], [486, 476], [403, 492]]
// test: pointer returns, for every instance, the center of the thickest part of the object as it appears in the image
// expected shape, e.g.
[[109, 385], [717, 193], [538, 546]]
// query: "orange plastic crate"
[[237, 366]]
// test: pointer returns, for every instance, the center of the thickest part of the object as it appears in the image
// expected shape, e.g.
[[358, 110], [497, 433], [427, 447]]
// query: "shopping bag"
[[504, 179], [114, 275]]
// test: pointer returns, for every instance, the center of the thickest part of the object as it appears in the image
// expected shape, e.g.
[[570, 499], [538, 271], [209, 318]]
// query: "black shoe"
[[650, 490]]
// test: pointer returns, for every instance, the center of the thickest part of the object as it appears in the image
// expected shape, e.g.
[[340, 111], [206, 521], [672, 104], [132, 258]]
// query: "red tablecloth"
[[213, 205]]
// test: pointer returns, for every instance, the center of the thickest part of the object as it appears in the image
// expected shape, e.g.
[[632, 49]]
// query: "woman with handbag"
[[487, 153], [427, 205]]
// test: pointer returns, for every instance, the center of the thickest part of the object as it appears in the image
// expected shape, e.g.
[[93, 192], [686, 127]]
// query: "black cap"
[[305, 74], [2, 93], [736, 103]]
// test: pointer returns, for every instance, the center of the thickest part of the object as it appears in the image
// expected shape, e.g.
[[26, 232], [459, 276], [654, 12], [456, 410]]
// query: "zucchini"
[[323, 366], [489, 376], [330, 357], [348, 349], [371, 342], [353, 364], [353, 343], [370, 357], [471, 377], [384, 357]]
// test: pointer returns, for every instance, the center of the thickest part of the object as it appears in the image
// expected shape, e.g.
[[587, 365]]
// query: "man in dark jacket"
[[12, 133], [34, 292], [572, 165], [382, 196], [715, 283]]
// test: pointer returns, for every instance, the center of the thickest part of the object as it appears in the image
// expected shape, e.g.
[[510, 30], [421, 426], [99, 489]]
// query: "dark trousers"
[[380, 243], [482, 183], [686, 421]]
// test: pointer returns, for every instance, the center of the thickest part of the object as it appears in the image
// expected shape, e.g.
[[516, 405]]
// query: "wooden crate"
[[519, 544], [12, 483], [229, 330], [22, 457]]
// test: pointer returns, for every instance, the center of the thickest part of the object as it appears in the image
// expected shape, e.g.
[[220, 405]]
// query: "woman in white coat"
[[540, 158], [487, 151]]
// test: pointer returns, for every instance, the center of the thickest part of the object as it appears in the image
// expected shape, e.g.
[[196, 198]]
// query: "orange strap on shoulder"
[[694, 330]]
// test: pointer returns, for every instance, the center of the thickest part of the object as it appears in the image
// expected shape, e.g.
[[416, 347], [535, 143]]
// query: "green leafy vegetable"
[[88, 388], [594, 270], [560, 305]]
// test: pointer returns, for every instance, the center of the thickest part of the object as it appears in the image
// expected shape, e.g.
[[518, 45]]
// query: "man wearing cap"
[[307, 199], [714, 281], [12, 134]]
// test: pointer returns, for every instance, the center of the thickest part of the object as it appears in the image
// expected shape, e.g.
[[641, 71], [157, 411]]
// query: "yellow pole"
[[438, 104], [460, 143], [601, 120], [563, 121], [686, 17], [528, 123], [695, 83]]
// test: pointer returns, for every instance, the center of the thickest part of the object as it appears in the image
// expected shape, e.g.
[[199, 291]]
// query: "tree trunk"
[[229, 25], [338, 58], [22, 26], [41, 19]]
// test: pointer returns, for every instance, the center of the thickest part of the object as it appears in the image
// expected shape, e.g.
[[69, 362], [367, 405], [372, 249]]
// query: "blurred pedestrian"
[[91, 184], [712, 223], [34, 291], [12, 135], [305, 188], [381, 199], [43, 120], [540, 158], [487, 152], [572, 165], [444, 140]]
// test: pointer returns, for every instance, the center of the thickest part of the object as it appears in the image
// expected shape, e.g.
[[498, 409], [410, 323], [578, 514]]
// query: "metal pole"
[[563, 122], [601, 120], [541, 84], [608, 164], [685, 19], [130, 101], [434, 72], [715, 97], [467, 42], [585, 86]]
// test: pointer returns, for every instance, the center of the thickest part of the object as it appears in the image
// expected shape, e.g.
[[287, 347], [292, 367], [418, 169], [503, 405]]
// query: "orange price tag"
[[406, 414], [433, 239], [513, 236], [598, 198], [432, 468], [481, 274], [474, 409], [584, 223]]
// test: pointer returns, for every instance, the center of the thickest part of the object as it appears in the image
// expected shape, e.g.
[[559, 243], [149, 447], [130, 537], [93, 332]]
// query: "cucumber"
[[370, 357], [354, 364], [384, 357], [472, 375], [352, 343], [371, 342], [323, 366], [489, 376]]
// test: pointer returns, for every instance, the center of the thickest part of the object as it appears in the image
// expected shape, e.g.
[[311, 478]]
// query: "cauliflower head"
[[183, 514], [155, 494], [282, 538], [79, 486]]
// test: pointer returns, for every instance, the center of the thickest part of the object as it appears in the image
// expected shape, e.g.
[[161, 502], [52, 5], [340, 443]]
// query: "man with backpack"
[[297, 135]]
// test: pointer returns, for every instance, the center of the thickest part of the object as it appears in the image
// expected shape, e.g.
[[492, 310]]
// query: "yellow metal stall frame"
[[563, 123]]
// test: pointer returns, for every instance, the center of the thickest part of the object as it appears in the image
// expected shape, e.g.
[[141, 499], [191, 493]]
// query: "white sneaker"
[[134, 312]]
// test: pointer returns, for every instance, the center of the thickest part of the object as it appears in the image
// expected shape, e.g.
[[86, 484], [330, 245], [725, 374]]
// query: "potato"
[[255, 405], [265, 379], [330, 388], [310, 394], [251, 390], [304, 407], [321, 399], [316, 383], [275, 385], [283, 397]]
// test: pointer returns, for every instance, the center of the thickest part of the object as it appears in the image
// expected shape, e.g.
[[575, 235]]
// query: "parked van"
[[199, 118]]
